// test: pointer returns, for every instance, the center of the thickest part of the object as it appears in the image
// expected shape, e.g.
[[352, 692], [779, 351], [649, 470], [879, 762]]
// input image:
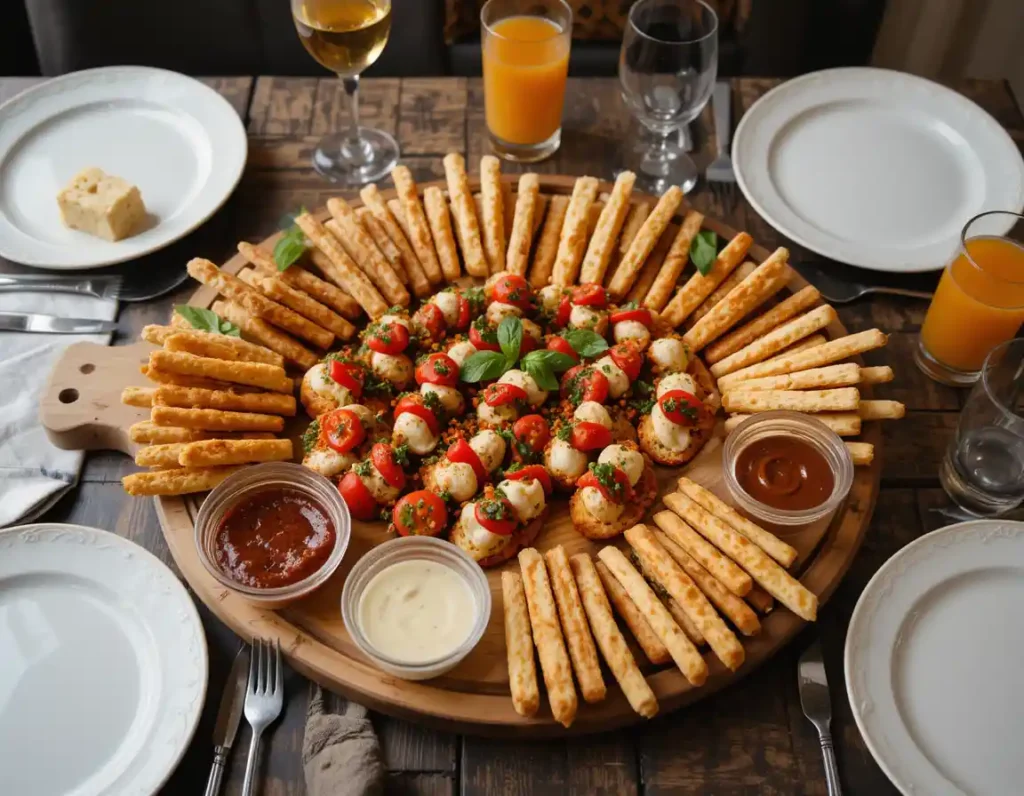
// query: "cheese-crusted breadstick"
[[582, 651], [813, 341], [467, 226], [700, 286], [327, 294], [876, 375], [547, 246], [254, 374], [778, 339], [681, 618], [181, 380], [652, 266], [831, 376], [228, 347], [271, 403], [277, 289], [743, 270], [862, 453], [729, 574], [361, 247], [609, 225], [675, 261], [165, 455], [223, 452], [380, 237], [573, 240], [492, 221], [845, 424], [440, 222], [138, 396], [635, 219], [652, 229], [175, 482], [522, 672], [881, 410], [146, 432], [646, 638], [265, 334], [215, 419], [521, 237], [762, 324], [841, 399], [381, 210]]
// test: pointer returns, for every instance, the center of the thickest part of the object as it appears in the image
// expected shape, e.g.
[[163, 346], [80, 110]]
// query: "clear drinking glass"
[[983, 470], [348, 36], [667, 68]]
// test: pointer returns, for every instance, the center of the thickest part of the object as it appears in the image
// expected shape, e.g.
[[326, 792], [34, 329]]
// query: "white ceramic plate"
[[874, 168], [179, 141], [102, 664], [933, 662]]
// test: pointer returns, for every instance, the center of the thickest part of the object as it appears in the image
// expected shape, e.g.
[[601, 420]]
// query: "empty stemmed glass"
[[667, 68]]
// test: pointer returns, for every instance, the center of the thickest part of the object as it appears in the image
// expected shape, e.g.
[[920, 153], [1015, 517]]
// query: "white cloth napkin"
[[33, 473]]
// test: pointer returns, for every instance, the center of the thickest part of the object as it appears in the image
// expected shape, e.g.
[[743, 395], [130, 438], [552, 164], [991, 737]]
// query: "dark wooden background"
[[750, 738]]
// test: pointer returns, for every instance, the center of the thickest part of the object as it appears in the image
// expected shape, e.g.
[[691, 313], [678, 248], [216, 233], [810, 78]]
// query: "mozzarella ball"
[[631, 330], [395, 368], [457, 479], [414, 431], [489, 447], [631, 462], [593, 412], [534, 394], [668, 354]]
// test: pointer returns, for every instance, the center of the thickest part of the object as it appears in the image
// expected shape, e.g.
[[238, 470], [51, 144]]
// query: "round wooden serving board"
[[81, 409]]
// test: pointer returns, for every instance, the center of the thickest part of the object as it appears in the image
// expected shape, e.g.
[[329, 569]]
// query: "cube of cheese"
[[102, 205]]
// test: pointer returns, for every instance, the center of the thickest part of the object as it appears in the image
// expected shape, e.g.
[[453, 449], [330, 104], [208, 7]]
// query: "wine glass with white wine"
[[347, 36]]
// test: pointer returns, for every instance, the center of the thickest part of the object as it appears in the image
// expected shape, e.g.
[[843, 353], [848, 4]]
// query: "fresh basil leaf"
[[704, 250], [510, 338], [585, 342], [540, 372], [202, 319], [555, 361], [482, 366], [228, 328], [290, 248]]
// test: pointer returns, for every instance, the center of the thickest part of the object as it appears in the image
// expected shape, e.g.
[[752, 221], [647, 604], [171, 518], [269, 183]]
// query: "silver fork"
[[264, 699], [101, 287], [720, 175]]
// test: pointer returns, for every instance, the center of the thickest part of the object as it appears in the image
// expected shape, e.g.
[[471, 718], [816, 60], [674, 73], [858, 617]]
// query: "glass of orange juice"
[[979, 302], [525, 63]]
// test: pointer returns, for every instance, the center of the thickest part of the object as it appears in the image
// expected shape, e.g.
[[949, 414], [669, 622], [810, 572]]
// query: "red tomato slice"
[[585, 383], [532, 471], [563, 312], [629, 359], [590, 295], [503, 394], [644, 316], [496, 515], [681, 407], [513, 289], [382, 455], [430, 318], [533, 431], [438, 369], [561, 345], [413, 403], [623, 494], [588, 436], [420, 513], [464, 312], [461, 452], [357, 497], [476, 337], [342, 430], [389, 338], [528, 344], [349, 376]]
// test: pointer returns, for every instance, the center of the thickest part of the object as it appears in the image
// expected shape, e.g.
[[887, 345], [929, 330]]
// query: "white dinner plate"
[[933, 662], [102, 664], [874, 168], [179, 141]]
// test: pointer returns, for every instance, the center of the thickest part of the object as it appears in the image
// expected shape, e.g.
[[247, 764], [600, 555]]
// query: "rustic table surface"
[[751, 738]]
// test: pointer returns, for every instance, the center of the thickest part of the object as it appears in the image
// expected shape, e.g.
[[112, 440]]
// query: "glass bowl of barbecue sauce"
[[273, 532], [786, 468]]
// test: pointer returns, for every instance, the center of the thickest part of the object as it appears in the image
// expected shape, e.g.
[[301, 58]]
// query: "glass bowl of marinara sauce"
[[786, 468], [273, 532]]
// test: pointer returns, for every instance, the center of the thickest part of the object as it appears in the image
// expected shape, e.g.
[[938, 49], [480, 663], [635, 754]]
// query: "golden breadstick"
[[760, 600], [277, 289], [146, 432], [652, 266], [255, 374], [345, 226], [340, 268], [573, 240], [138, 396], [762, 324], [593, 216], [775, 580], [876, 375], [728, 574], [547, 636], [416, 223], [845, 424], [776, 340], [223, 452], [686, 624], [582, 651], [165, 455], [881, 410], [327, 294], [211, 346], [492, 219], [547, 246], [841, 399], [508, 204], [539, 214], [215, 419], [767, 280], [824, 354], [609, 225], [382, 211], [440, 221], [230, 347], [610, 639], [175, 482], [783, 553], [521, 237], [813, 341], [271, 403], [652, 229], [180, 380], [685, 655], [522, 671], [830, 376], [862, 453], [698, 287], [731, 606], [635, 219], [675, 262], [647, 639], [467, 226], [380, 237], [265, 334], [743, 270]]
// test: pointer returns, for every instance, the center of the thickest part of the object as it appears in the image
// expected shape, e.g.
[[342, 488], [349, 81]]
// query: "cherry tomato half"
[[485, 338], [357, 497], [561, 345], [464, 314], [342, 430], [681, 407], [512, 289], [438, 369], [587, 436], [420, 513], [349, 376], [413, 403], [496, 515], [532, 431], [388, 338], [590, 295], [503, 394], [563, 312], [534, 471], [627, 355], [430, 319], [383, 457], [618, 491], [584, 383], [644, 316], [461, 452]]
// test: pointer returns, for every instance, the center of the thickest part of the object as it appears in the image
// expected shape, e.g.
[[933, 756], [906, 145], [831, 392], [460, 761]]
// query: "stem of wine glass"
[[355, 148]]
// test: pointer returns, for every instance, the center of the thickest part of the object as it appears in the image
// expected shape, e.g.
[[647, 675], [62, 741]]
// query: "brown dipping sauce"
[[274, 538], [785, 473]]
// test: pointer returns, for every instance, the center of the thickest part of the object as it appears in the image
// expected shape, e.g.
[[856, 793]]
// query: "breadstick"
[[845, 424], [573, 240], [767, 279], [375, 203], [842, 399], [176, 482], [215, 419], [346, 228], [547, 246], [762, 324], [181, 380], [492, 219], [138, 396], [645, 240], [467, 226], [685, 655], [665, 571], [270, 403], [539, 214], [862, 453], [582, 651], [440, 221], [646, 638], [652, 266], [165, 455], [593, 216], [146, 432], [675, 261], [776, 340], [265, 334], [521, 237], [876, 375], [813, 341], [881, 410], [228, 347], [679, 616], [522, 671], [783, 553], [760, 600], [729, 574], [775, 580], [372, 227], [743, 270], [277, 289], [255, 374], [327, 294], [508, 206], [547, 636], [830, 376], [416, 225], [635, 219], [609, 225], [223, 452], [610, 639], [698, 287]]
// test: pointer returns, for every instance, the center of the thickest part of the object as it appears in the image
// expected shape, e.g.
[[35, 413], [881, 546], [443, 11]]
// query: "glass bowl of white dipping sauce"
[[416, 606]]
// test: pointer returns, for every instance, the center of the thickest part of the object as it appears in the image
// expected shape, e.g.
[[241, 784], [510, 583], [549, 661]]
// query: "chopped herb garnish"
[[362, 468], [310, 436]]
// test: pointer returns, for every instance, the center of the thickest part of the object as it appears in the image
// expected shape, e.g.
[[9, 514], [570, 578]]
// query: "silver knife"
[[229, 715], [817, 705], [52, 324]]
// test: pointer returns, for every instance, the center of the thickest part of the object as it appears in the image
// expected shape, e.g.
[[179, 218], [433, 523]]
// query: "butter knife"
[[229, 715], [52, 324], [817, 705]]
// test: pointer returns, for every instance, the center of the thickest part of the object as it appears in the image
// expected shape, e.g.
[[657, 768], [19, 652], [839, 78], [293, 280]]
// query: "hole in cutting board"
[[87, 368], [68, 396]]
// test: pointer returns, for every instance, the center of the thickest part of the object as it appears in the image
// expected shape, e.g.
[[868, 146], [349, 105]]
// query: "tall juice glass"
[[979, 302], [525, 63]]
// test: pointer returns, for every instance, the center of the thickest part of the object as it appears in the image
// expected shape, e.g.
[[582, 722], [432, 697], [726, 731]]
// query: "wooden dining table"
[[749, 738]]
